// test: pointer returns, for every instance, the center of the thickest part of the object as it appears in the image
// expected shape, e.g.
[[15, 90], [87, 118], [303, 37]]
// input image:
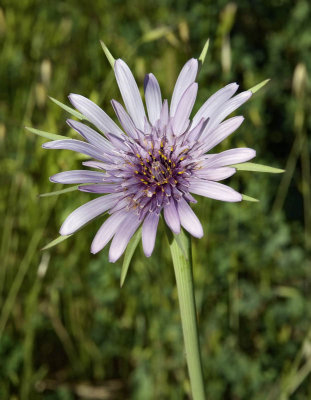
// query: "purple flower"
[[155, 163]]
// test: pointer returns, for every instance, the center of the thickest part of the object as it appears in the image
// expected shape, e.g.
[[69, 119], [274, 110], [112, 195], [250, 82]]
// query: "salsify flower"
[[155, 163]]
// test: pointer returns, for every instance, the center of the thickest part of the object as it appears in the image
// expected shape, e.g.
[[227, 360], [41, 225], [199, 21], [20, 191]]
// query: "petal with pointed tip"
[[149, 232], [78, 146], [153, 98], [123, 236], [94, 114], [77, 176], [214, 190], [188, 219], [130, 93], [91, 136], [171, 217], [229, 157], [87, 212], [107, 230], [185, 79], [214, 102], [184, 108]]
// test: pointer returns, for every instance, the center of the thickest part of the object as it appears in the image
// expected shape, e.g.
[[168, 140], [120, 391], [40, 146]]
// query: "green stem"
[[180, 247]]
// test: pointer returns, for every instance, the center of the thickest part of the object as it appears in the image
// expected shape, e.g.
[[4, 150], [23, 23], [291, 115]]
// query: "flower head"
[[156, 162]]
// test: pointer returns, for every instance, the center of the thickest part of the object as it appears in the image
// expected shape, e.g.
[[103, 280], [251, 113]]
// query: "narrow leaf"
[[55, 242], [57, 192], [204, 52], [68, 109], [129, 252], [255, 88], [248, 166], [109, 56], [47, 135], [248, 198]]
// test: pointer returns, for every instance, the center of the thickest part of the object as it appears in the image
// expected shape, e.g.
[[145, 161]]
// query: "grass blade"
[[129, 254]]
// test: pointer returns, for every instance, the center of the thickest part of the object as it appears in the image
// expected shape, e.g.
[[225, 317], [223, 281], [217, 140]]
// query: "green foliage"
[[67, 330]]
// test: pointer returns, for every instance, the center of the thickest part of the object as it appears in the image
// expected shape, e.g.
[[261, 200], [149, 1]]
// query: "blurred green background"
[[67, 330]]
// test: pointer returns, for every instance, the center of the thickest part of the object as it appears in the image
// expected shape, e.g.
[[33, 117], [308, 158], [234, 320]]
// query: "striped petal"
[[91, 136], [215, 190], [184, 108], [125, 119], [107, 188], [229, 157], [78, 176], [188, 219], [107, 230], [87, 212], [95, 114], [221, 133], [149, 232], [153, 98], [185, 79], [130, 93], [215, 174], [78, 146], [171, 217], [214, 102], [230, 106], [123, 236]]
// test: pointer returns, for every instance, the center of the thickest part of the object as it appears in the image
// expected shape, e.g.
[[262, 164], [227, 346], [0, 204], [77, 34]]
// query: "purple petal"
[[78, 176], [230, 106], [130, 93], [91, 136], [95, 164], [117, 141], [188, 219], [123, 236], [164, 114], [78, 146], [171, 217], [153, 98], [215, 174], [230, 157], [195, 132], [125, 119], [108, 188], [149, 232], [215, 190], [107, 230], [185, 79], [184, 108], [221, 132], [87, 212], [95, 114], [214, 102]]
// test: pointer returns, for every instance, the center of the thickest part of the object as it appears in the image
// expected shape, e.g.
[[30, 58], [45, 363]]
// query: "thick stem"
[[180, 247]]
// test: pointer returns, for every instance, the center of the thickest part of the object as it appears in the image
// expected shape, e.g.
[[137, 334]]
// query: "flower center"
[[159, 172]]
